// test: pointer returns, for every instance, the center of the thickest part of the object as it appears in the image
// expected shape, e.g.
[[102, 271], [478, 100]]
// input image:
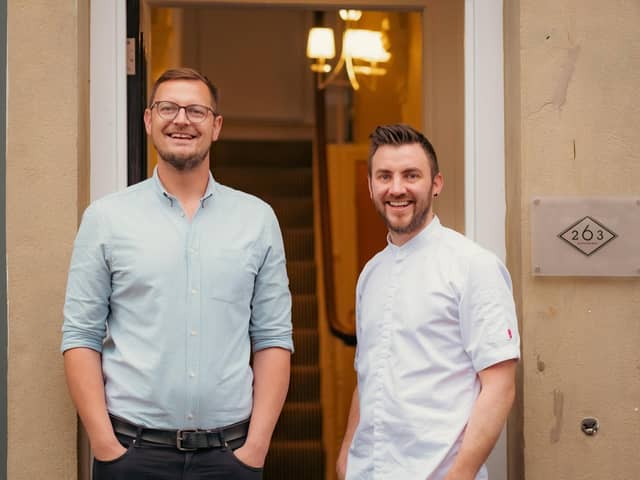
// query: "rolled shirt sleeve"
[[270, 324], [86, 304]]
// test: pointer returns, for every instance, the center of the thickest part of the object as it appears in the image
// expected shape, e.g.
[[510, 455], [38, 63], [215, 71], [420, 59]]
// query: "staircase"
[[280, 173]]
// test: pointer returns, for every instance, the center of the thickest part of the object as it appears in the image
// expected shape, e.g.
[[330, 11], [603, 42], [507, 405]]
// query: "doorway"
[[480, 206]]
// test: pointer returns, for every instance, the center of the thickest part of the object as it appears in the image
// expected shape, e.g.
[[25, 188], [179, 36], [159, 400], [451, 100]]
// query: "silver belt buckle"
[[180, 438]]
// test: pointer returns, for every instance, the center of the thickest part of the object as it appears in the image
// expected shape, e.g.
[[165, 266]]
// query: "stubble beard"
[[418, 218], [417, 221], [182, 162]]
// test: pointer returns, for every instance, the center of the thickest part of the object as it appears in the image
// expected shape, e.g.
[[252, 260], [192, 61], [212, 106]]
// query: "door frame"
[[484, 152], [108, 96]]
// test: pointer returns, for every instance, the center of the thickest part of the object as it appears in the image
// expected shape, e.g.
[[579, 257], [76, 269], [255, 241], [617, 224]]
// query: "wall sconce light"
[[362, 50]]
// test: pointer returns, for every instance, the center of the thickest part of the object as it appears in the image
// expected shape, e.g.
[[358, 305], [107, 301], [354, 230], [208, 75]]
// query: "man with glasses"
[[173, 283]]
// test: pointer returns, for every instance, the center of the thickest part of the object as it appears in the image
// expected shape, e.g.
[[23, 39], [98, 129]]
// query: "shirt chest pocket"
[[229, 276]]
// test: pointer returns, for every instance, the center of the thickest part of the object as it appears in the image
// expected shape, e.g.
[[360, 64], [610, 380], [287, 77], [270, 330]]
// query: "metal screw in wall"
[[589, 426]]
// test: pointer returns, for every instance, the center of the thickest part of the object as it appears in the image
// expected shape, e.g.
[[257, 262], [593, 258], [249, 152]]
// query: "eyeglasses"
[[170, 110]]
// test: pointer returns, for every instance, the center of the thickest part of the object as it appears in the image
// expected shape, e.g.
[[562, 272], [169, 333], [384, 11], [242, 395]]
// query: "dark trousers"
[[144, 461]]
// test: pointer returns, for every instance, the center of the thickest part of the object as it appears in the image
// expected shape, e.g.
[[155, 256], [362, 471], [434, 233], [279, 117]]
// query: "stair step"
[[307, 350], [300, 460], [305, 384], [299, 421], [298, 243], [261, 181], [280, 173], [241, 153], [304, 311], [302, 276], [292, 212]]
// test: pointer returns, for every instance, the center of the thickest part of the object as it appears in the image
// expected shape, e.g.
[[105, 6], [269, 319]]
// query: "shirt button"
[[194, 291], [190, 416], [191, 374], [194, 333]]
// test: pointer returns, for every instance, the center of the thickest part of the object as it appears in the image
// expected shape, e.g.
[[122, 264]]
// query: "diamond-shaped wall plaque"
[[587, 235]]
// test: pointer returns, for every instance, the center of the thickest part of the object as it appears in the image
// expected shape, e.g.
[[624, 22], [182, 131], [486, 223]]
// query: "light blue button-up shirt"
[[176, 305]]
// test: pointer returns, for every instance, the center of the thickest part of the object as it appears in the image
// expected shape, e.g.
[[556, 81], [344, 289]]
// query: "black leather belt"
[[185, 440]]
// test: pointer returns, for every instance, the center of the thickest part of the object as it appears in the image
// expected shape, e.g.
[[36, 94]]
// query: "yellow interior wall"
[[336, 359], [46, 189], [388, 98], [572, 71], [163, 28], [422, 88], [342, 161], [444, 102]]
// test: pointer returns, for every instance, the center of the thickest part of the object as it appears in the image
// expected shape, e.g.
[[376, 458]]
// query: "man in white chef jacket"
[[437, 333]]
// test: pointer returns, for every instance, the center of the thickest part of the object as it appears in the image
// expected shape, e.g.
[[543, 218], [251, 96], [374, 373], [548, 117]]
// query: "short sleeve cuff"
[[495, 356], [74, 340], [285, 343]]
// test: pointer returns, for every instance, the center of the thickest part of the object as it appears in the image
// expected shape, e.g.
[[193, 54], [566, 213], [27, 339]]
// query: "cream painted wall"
[[47, 186], [572, 76]]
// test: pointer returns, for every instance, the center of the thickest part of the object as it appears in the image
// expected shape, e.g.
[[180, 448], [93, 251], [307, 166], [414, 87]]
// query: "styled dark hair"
[[400, 134], [185, 74]]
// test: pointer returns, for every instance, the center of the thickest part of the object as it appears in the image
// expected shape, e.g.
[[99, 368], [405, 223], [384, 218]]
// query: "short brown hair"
[[185, 74], [400, 134]]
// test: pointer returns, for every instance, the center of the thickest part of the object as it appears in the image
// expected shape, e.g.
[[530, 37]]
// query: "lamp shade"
[[364, 45], [320, 43], [350, 15]]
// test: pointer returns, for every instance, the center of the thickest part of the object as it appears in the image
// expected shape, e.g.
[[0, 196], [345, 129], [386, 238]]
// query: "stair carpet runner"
[[280, 173]]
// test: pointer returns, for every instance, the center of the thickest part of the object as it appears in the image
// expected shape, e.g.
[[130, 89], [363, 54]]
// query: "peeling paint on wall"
[[564, 79]]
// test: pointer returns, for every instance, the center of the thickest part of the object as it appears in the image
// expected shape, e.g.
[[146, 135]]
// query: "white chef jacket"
[[430, 315]]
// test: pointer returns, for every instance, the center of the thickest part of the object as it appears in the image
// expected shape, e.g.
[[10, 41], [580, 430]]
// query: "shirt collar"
[[208, 193], [420, 240], [159, 187]]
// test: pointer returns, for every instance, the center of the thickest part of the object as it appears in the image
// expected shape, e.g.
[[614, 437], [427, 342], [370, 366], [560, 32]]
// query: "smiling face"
[[180, 142], [402, 189]]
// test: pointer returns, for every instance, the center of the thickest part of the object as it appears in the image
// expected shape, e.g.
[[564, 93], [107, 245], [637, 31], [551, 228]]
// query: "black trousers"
[[145, 461]]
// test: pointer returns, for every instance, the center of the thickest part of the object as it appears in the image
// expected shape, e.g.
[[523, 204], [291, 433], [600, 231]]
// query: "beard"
[[417, 220], [182, 162], [422, 207]]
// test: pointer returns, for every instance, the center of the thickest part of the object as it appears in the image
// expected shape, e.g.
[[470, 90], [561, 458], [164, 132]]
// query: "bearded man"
[[437, 333], [173, 283]]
